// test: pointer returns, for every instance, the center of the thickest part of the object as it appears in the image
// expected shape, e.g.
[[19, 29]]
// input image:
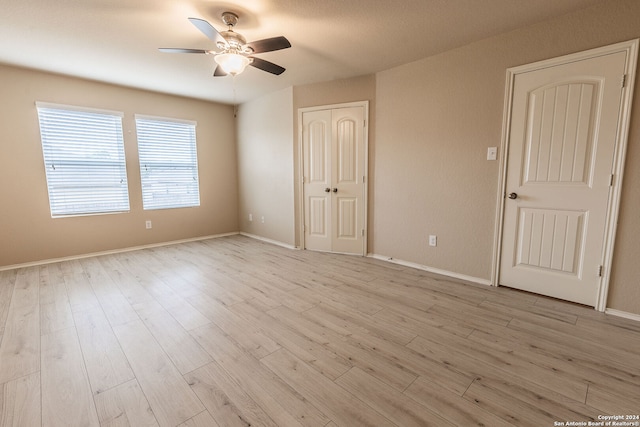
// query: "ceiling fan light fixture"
[[232, 63]]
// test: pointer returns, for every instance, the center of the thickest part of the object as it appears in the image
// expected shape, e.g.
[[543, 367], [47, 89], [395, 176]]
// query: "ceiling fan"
[[234, 53]]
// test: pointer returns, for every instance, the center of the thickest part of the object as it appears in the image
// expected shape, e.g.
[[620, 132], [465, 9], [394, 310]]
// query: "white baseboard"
[[446, 273], [264, 239], [114, 251], [620, 313]]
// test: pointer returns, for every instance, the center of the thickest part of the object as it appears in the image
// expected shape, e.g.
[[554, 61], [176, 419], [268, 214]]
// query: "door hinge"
[[623, 82], [599, 271], [611, 181], [362, 232]]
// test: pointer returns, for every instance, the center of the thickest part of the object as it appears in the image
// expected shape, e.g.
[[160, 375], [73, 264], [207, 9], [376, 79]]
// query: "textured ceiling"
[[116, 41]]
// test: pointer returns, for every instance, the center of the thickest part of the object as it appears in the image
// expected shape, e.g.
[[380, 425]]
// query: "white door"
[[316, 147], [333, 145], [562, 140]]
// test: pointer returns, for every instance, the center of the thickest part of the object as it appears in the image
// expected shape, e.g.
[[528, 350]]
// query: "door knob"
[[327, 190], [513, 196], [335, 190]]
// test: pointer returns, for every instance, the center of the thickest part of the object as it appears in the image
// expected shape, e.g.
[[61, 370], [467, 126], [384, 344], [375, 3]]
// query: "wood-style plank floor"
[[237, 332]]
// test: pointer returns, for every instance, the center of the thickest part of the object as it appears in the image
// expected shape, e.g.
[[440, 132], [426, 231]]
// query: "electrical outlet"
[[433, 240], [250, 217], [262, 219], [148, 224]]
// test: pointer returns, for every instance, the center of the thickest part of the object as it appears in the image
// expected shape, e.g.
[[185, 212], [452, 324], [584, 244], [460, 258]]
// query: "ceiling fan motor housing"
[[235, 40]]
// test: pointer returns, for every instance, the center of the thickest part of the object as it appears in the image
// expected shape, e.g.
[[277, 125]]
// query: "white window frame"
[[84, 160], [168, 154]]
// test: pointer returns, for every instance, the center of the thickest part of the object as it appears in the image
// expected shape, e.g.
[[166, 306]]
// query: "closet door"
[[334, 179], [317, 179]]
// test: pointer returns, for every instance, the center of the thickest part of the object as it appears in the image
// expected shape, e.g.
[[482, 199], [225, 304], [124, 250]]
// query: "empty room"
[[319, 213]]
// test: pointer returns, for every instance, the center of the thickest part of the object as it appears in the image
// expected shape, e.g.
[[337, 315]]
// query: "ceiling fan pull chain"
[[235, 104]]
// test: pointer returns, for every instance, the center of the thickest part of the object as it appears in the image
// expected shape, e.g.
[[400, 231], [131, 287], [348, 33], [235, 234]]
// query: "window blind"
[[84, 160], [168, 163]]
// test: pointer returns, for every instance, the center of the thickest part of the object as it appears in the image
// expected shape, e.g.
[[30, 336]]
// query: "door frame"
[[300, 174], [630, 47]]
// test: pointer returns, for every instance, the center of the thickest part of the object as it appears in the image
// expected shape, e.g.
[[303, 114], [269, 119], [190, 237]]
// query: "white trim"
[[502, 178], [631, 49], [165, 119], [114, 251], [624, 314], [438, 271], [625, 46], [40, 104], [300, 177], [333, 106], [264, 239]]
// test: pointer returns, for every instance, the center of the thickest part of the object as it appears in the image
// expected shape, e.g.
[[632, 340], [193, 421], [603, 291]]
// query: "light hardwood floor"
[[237, 332]]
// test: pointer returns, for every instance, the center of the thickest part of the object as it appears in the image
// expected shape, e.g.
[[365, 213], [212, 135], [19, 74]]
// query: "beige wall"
[[265, 166], [27, 231], [328, 93], [435, 119]]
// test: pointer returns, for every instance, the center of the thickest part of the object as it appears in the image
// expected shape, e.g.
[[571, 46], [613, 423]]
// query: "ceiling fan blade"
[[180, 50], [219, 72], [208, 30], [267, 66], [269, 45]]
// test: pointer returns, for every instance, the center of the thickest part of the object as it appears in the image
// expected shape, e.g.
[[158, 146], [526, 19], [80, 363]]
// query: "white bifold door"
[[333, 150], [564, 127]]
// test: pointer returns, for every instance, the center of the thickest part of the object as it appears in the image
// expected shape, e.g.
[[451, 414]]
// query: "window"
[[168, 163], [83, 152]]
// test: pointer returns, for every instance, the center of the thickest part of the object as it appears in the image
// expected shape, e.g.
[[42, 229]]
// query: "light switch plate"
[[492, 153]]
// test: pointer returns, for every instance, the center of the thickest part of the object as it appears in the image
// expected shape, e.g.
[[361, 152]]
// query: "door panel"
[[318, 220], [347, 151], [564, 125], [550, 239], [318, 151], [347, 218], [559, 140]]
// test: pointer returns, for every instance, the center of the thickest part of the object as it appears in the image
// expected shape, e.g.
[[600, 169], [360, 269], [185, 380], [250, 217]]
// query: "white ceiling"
[[116, 41]]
